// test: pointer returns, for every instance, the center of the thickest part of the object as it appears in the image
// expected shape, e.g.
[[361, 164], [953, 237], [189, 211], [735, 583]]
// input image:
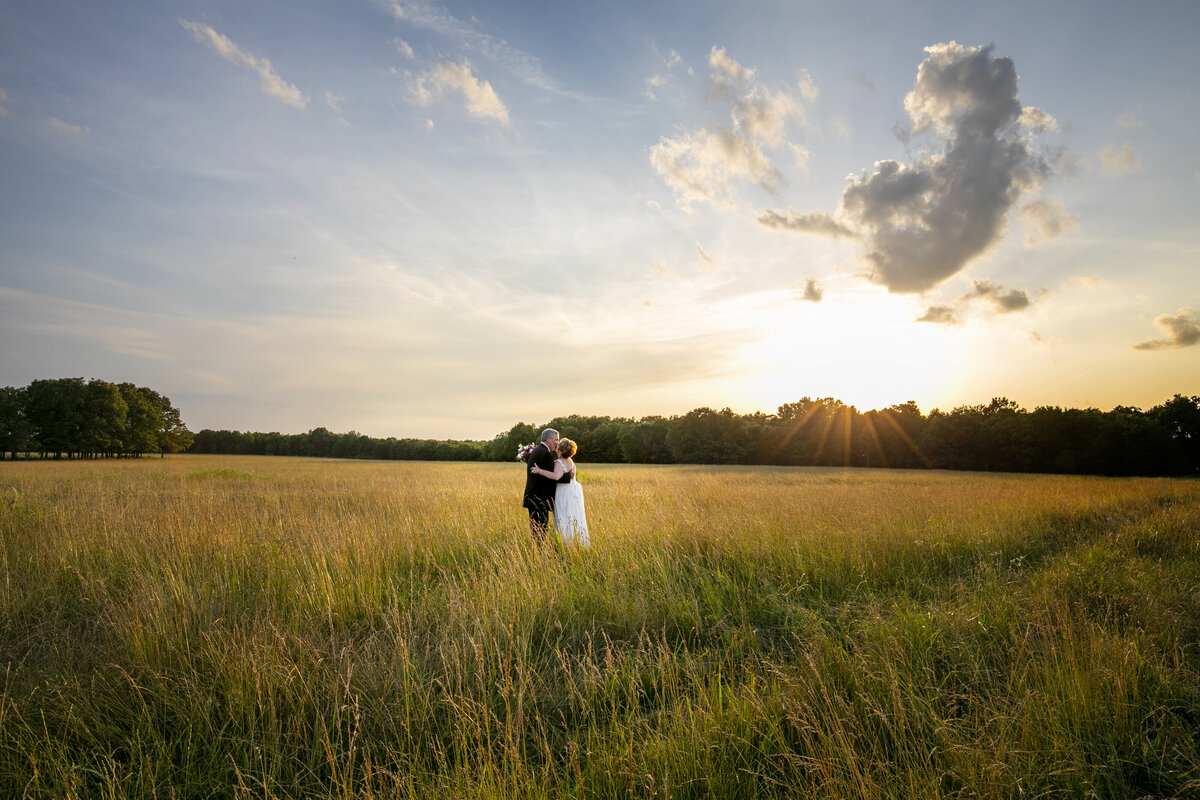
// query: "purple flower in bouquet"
[[524, 450]]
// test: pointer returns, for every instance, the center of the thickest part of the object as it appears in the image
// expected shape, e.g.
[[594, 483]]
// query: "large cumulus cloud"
[[923, 222]]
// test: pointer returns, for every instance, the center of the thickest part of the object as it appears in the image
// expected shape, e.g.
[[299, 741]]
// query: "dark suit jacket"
[[539, 490]]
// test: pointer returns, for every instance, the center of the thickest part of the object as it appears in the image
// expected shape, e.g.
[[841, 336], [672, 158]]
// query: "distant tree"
[[143, 420], [1180, 418], [16, 435], [705, 436], [102, 427], [815, 433], [54, 408], [896, 431], [645, 442], [604, 442], [504, 446]]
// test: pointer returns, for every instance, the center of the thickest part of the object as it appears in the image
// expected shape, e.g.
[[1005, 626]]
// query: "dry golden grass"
[[228, 627]]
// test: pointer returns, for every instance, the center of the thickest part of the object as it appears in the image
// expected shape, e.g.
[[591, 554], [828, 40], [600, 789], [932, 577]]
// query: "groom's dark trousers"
[[539, 492]]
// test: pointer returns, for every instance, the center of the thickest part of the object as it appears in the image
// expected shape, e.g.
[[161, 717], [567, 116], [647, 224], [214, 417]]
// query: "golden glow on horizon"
[[867, 354]]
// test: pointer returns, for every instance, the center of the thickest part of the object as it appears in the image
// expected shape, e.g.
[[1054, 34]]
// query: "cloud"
[[1037, 120], [700, 166], [1002, 301], [662, 79], [808, 89], [817, 223], [923, 222], [3, 99], [938, 315], [66, 127], [813, 291], [707, 260], [268, 80], [802, 156], [1130, 119], [433, 84], [428, 16], [1181, 330], [655, 82], [1119, 160], [757, 112], [1049, 219], [704, 165], [404, 48], [335, 103]]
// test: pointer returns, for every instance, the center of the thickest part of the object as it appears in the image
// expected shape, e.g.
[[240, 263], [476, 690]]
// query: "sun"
[[865, 352]]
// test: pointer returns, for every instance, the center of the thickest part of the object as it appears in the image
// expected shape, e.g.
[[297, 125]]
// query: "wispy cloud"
[[706, 260], [268, 80], [1119, 160], [1048, 219], [663, 78], [3, 99], [1179, 330], [802, 156], [430, 17], [817, 223], [335, 103], [704, 165], [404, 48], [1130, 119], [444, 76], [66, 127]]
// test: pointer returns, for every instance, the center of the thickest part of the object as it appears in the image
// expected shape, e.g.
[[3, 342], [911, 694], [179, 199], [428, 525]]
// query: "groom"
[[539, 490]]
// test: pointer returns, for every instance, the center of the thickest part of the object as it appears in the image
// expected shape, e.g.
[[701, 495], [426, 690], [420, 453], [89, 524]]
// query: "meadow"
[[205, 626]]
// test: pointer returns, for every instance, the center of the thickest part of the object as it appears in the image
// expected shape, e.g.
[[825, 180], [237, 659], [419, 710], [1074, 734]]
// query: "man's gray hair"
[[549, 433]]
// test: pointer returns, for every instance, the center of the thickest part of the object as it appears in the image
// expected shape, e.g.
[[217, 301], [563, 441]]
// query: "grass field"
[[287, 628]]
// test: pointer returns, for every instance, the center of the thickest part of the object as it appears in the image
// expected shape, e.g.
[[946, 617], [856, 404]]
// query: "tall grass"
[[279, 628]]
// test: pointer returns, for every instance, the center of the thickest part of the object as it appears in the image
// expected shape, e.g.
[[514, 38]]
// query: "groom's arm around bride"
[[539, 491]]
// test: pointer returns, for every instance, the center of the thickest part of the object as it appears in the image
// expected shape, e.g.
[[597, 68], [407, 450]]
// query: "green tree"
[[504, 446], [143, 420], [16, 435], [54, 409], [645, 442], [1180, 417], [102, 427], [705, 436]]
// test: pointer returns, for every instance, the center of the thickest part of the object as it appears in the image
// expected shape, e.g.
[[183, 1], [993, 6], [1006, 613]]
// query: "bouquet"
[[524, 450]]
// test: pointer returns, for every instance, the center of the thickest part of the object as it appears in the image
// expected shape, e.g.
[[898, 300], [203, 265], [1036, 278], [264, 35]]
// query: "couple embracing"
[[550, 486]]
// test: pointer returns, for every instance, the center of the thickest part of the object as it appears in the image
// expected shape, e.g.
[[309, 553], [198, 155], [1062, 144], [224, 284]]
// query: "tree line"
[[321, 443], [999, 436], [71, 417]]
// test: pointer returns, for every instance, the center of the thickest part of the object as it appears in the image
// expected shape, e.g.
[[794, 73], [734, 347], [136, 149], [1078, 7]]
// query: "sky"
[[437, 219]]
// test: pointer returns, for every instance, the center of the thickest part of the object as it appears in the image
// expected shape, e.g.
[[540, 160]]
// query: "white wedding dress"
[[570, 516]]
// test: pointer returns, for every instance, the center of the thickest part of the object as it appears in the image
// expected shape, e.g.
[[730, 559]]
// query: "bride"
[[570, 517]]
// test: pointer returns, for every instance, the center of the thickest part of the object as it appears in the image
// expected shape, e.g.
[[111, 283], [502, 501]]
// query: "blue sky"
[[439, 218]]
